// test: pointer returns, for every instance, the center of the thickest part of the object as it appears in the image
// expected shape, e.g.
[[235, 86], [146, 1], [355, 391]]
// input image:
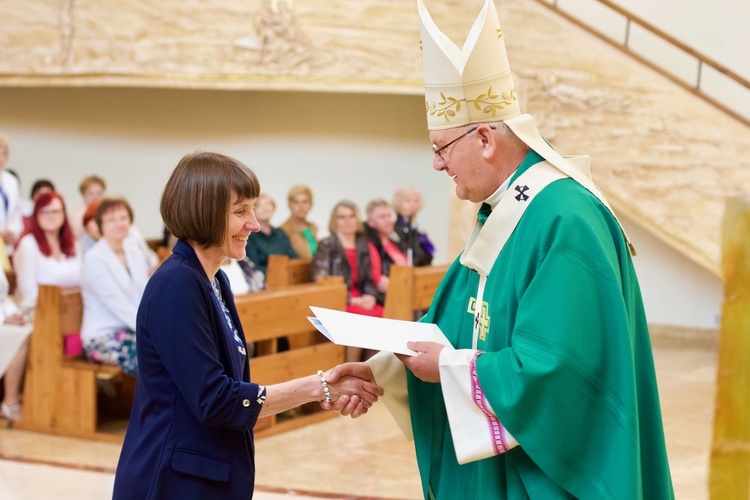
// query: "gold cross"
[[481, 321]]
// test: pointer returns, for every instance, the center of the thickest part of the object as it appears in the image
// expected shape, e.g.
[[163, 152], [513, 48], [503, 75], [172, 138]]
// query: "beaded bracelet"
[[261, 395], [325, 386]]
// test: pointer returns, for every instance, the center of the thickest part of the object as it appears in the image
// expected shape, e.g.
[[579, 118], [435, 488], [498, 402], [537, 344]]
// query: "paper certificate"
[[381, 334]]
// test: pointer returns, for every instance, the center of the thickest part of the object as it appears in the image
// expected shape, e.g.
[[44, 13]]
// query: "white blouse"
[[112, 292], [33, 268]]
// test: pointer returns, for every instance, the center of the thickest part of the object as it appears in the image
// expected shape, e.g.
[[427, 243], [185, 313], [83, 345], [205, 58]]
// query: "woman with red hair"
[[46, 255]]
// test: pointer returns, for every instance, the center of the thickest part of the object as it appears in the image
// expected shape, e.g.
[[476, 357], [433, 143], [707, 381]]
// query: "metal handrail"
[[625, 47]]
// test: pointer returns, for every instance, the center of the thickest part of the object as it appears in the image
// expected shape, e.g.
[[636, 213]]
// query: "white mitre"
[[475, 85], [470, 85]]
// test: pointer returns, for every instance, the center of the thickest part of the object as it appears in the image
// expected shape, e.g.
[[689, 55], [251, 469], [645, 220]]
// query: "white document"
[[381, 334], [11, 338]]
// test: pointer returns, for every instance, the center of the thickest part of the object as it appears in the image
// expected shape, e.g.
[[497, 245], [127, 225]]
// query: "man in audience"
[[547, 388], [383, 240], [419, 250]]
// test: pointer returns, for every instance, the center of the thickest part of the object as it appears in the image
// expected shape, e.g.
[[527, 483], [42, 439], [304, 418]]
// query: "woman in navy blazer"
[[190, 432]]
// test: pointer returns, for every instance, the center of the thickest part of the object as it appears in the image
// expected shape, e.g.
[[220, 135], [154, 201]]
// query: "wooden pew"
[[60, 392], [60, 395], [270, 314], [282, 271], [411, 289]]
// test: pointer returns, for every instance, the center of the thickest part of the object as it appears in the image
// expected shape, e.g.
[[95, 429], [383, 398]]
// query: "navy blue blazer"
[[190, 432]]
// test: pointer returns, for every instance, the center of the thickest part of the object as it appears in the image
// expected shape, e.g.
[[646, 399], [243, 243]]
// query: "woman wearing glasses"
[[46, 255]]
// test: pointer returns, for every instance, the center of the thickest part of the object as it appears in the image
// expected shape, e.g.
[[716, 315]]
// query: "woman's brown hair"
[[196, 199]]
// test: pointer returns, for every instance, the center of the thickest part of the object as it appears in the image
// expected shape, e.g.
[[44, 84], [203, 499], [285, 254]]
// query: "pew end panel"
[[411, 289], [60, 394], [282, 271]]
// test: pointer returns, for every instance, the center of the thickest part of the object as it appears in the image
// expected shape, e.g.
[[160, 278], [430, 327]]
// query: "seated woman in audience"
[[115, 273], [92, 189], [91, 232], [10, 409], [269, 240], [346, 253], [417, 247], [302, 234], [383, 240], [47, 254]]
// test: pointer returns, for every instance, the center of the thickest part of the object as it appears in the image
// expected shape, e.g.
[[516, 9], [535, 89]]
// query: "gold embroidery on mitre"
[[499, 32], [481, 321], [487, 103]]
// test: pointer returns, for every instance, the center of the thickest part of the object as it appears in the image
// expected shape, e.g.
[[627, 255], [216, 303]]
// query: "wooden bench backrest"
[[411, 289], [59, 312], [283, 271], [270, 314], [276, 313]]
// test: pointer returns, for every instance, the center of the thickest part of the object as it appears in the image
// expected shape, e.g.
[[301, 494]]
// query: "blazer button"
[[245, 403]]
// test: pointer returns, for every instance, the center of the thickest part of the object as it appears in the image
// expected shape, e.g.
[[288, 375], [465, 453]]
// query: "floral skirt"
[[116, 348]]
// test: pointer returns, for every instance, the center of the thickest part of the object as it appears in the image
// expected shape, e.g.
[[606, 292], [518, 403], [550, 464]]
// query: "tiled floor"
[[366, 458]]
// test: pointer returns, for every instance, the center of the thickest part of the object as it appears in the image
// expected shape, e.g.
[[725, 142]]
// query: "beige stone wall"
[[663, 156]]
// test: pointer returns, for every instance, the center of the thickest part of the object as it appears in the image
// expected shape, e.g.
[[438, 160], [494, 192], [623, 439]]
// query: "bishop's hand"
[[425, 365]]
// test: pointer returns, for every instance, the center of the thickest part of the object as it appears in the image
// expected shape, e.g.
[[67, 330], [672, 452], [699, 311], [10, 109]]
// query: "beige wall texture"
[[343, 146]]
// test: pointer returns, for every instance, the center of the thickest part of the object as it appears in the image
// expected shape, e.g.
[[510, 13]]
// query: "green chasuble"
[[567, 364]]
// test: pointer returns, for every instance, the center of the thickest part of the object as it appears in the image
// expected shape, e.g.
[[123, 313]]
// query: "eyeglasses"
[[116, 219], [52, 212], [438, 150]]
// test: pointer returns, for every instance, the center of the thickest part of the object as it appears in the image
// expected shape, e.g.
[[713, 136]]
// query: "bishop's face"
[[458, 152]]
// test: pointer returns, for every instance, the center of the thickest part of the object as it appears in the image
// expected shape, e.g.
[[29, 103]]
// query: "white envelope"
[[381, 334]]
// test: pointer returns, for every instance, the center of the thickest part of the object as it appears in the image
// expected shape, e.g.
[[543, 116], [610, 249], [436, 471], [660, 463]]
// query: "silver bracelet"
[[325, 386]]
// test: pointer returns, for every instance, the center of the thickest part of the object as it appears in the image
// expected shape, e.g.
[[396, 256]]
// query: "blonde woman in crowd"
[[115, 273], [302, 234]]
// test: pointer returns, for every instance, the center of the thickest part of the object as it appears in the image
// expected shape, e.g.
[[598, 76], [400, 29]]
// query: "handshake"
[[349, 389]]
